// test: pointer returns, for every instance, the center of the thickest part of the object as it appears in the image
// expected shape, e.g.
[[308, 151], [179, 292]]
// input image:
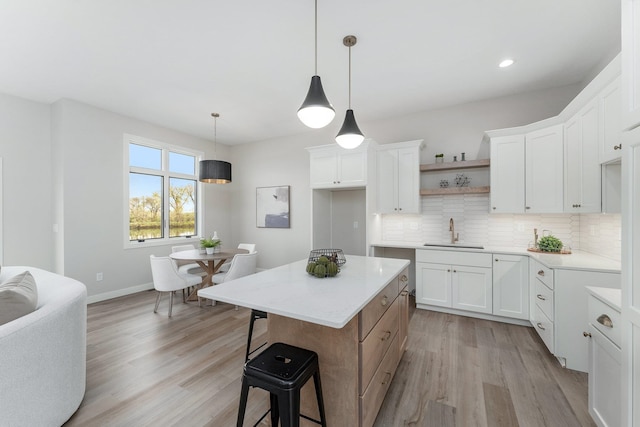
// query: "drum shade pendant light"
[[215, 171], [316, 111], [350, 135]]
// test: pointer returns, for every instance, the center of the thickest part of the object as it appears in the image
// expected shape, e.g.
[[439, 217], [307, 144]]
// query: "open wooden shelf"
[[467, 164], [455, 190]]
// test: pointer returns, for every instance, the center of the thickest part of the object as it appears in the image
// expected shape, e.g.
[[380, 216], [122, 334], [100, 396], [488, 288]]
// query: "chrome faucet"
[[454, 236]]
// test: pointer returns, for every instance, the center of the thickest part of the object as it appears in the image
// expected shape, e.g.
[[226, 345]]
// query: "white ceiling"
[[173, 62]]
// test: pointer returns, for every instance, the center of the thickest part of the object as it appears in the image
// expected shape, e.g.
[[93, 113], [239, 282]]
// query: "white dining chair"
[[251, 247], [166, 278], [241, 265], [187, 266]]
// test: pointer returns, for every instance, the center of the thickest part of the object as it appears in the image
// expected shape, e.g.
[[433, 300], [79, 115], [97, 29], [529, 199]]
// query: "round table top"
[[195, 255]]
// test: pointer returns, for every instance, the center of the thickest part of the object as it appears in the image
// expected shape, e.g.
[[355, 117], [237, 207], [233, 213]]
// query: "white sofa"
[[43, 354]]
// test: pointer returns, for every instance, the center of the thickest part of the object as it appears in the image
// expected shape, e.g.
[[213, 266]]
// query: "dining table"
[[210, 263]]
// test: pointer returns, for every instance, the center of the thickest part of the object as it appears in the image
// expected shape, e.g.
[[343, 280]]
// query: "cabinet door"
[[544, 171], [433, 284], [630, 63], [408, 180], [610, 126], [511, 286], [323, 168], [631, 272], [582, 170], [471, 289], [507, 174], [604, 380], [387, 181], [352, 168]]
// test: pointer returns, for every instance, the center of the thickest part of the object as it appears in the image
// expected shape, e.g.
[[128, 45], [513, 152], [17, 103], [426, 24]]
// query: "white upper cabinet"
[[527, 172], [610, 129], [582, 168], [398, 177], [630, 63], [507, 174], [332, 166], [544, 170]]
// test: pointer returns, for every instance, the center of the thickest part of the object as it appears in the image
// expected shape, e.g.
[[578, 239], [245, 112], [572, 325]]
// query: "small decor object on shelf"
[[455, 158], [439, 158], [325, 262], [462, 180], [462, 157], [444, 183]]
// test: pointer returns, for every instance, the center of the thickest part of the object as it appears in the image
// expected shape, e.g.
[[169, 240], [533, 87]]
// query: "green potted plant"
[[439, 158], [209, 244]]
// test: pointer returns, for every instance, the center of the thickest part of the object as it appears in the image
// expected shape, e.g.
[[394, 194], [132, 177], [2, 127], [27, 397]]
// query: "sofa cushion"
[[18, 296]]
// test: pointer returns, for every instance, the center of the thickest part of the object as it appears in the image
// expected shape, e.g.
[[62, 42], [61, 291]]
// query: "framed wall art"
[[272, 207]]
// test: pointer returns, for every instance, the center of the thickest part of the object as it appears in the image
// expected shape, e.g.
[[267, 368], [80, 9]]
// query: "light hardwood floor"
[[144, 369]]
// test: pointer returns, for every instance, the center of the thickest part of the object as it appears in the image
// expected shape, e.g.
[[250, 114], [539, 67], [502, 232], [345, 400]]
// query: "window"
[[161, 191]]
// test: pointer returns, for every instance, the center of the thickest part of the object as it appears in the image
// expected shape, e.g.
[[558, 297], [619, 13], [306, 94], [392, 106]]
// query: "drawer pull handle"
[[586, 334], [541, 273], [384, 301], [539, 325], [386, 336], [541, 297], [618, 147], [605, 320], [404, 278], [387, 377], [404, 293]]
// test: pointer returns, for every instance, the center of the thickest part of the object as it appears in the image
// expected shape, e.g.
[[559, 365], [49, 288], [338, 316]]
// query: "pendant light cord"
[[215, 130], [316, 37], [349, 77]]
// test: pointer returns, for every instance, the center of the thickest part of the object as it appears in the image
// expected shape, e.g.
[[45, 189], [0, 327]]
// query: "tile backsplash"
[[595, 233]]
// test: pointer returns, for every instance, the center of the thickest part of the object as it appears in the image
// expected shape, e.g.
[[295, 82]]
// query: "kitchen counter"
[[289, 291], [577, 260], [613, 297]]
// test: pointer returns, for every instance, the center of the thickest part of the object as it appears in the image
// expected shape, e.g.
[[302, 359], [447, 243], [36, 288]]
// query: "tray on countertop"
[[562, 252]]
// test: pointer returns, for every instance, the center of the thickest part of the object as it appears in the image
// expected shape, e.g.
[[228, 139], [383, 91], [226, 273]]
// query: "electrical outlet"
[[98, 277], [520, 226]]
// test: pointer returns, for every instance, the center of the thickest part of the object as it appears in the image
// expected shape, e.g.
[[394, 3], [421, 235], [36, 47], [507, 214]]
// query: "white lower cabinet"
[[511, 286], [605, 358], [452, 279]]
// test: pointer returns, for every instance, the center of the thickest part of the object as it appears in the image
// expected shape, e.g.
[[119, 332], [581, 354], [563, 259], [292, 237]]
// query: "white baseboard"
[[119, 293], [520, 322]]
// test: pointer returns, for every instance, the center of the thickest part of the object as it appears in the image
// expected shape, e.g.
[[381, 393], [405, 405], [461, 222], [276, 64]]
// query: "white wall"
[[25, 147], [89, 147], [284, 161]]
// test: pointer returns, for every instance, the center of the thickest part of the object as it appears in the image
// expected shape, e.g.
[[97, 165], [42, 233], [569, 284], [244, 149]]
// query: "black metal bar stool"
[[255, 315], [282, 370]]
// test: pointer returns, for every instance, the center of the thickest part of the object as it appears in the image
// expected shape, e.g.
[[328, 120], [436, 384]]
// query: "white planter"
[[210, 250]]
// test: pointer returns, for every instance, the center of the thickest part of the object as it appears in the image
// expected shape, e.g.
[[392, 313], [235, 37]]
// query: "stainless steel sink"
[[453, 245]]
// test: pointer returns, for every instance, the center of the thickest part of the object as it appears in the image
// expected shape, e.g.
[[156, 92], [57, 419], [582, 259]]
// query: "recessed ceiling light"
[[506, 63]]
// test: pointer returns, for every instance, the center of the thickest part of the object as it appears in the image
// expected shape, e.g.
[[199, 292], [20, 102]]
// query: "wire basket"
[[329, 253]]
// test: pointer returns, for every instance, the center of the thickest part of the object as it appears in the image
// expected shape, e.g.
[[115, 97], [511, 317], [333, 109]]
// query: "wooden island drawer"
[[377, 343], [374, 310], [372, 398]]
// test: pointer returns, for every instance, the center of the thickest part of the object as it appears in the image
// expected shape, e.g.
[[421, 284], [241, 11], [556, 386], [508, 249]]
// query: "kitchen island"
[[357, 322]]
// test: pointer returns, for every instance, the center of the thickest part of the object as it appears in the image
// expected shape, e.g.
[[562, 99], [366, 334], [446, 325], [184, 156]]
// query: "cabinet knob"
[[586, 334], [539, 325], [527, 207], [618, 147], [541, 273], [494, 208], [399, 209], [540, 297], [454, 271], [395, 209], [605, 320], [448, 270], [497, 260]]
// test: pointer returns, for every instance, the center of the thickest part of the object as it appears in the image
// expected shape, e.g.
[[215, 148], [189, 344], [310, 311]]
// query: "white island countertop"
[[289, 291]]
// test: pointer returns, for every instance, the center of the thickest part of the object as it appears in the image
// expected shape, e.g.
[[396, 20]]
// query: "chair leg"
[[319, 398], [170, 302], [244, 392], [158, 296], [251, 321], [290, 416], [275, 412]]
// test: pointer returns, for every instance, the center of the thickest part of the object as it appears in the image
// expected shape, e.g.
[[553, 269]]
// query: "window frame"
[[166, 175]]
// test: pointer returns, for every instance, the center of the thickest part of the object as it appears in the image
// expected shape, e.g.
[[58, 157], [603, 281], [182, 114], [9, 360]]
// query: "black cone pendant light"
[[316, 111], [215, 171], [350, 135]]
